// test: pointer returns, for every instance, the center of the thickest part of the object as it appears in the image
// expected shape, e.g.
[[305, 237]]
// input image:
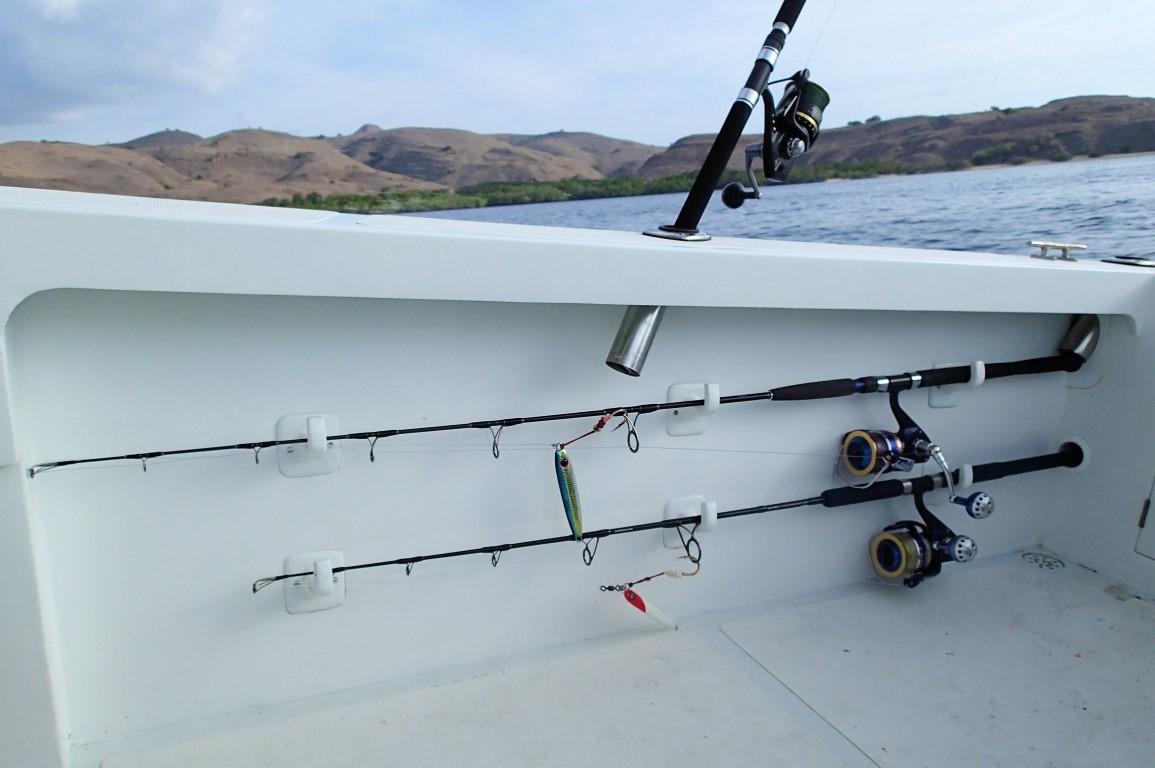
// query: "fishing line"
[[820, 33], [1069, 455], [817, 390]]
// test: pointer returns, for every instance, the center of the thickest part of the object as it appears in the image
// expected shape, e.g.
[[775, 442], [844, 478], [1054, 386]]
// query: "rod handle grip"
[[788, 13]]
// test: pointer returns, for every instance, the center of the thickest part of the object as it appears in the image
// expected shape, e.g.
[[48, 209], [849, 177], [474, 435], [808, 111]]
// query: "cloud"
[[68, 57]]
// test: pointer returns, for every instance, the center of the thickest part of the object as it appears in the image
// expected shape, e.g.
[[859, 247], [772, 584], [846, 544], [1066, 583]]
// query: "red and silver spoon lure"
[[634, 599]]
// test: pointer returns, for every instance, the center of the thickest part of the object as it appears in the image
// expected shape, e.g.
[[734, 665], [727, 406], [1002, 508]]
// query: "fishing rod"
[[1074, 350], [1068, 455], [790, 130]]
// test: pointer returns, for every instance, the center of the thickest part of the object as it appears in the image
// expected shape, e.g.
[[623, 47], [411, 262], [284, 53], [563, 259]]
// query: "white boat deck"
[[1006, 662]]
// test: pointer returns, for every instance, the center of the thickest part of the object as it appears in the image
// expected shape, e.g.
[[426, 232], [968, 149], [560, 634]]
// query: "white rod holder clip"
[[317, 455], [695, 419], [317, 588]]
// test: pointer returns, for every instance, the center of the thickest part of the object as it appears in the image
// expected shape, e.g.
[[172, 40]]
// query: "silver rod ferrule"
[[635, 335], [748, 95], [768, 54]]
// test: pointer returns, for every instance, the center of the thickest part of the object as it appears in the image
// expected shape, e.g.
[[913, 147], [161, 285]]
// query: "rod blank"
[[1064, 361], [1069, 455]]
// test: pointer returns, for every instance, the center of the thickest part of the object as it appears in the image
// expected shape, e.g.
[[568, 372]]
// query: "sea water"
[[1106, 204]]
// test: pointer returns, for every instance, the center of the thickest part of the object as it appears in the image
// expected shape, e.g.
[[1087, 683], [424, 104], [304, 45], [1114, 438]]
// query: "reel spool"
[[899, 554], [870, 451]]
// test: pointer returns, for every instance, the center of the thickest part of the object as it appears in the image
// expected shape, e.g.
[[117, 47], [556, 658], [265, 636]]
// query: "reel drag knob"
[[978, 505], [961, 549]]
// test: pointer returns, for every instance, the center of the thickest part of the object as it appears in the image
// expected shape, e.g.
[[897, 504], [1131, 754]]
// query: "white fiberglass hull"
[[148, 326]]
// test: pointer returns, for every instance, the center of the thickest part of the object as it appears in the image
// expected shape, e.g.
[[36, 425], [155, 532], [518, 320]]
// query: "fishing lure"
[[634, 599], [567, 483]]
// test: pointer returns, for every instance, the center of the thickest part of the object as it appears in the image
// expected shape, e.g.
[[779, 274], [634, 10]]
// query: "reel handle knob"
[[961, 549], [734, 194], [978, 505]]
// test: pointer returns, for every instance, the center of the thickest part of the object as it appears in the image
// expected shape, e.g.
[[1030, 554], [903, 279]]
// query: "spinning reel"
[[913, 551], [791, 129], [910, 550]]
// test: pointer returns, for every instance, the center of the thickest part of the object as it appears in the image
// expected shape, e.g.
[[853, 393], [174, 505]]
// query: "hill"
[[459, 158], [612, 158], [253, 165], [243, 166], [1058, 130]]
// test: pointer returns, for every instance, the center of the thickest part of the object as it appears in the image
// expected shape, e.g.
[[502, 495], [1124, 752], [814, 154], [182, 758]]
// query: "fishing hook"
[[588, 554], [671, 573], [496, 440], [697, 566]]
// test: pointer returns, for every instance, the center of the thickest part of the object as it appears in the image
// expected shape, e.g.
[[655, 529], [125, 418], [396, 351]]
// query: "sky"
[[107, 71]]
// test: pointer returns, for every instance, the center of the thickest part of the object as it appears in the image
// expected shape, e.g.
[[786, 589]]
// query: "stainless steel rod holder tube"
[[1082, 337], [635, 335]]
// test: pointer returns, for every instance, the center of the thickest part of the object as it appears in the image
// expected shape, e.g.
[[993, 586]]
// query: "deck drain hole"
[[1039, 560]]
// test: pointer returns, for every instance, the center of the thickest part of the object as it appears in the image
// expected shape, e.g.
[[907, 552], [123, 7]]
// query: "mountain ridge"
[[251, 165]]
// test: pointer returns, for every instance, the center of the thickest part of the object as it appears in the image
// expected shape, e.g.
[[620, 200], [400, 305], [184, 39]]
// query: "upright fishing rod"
[[789, 131], [686, 226]]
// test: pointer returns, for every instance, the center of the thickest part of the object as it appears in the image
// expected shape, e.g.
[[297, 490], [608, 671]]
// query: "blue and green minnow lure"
[[567, 483]]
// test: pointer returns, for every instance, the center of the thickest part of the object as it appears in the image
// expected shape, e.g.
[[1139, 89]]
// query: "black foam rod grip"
[[788, 13], [814, 390], [937, 377], [1069, 455], [1064, 361], [883, 489]]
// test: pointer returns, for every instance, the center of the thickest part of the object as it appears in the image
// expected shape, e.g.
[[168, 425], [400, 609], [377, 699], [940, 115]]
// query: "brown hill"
[[458, 158], [244, 166], [110, 170], [251, 165], [609, 157], [1055, 131], [165, 138]]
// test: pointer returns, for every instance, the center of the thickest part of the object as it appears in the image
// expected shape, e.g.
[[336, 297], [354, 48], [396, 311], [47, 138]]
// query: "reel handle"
[[734, 194], [979, 505]]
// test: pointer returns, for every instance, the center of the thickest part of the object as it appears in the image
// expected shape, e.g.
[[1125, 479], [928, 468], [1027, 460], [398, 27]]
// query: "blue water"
[[1106, 204]]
